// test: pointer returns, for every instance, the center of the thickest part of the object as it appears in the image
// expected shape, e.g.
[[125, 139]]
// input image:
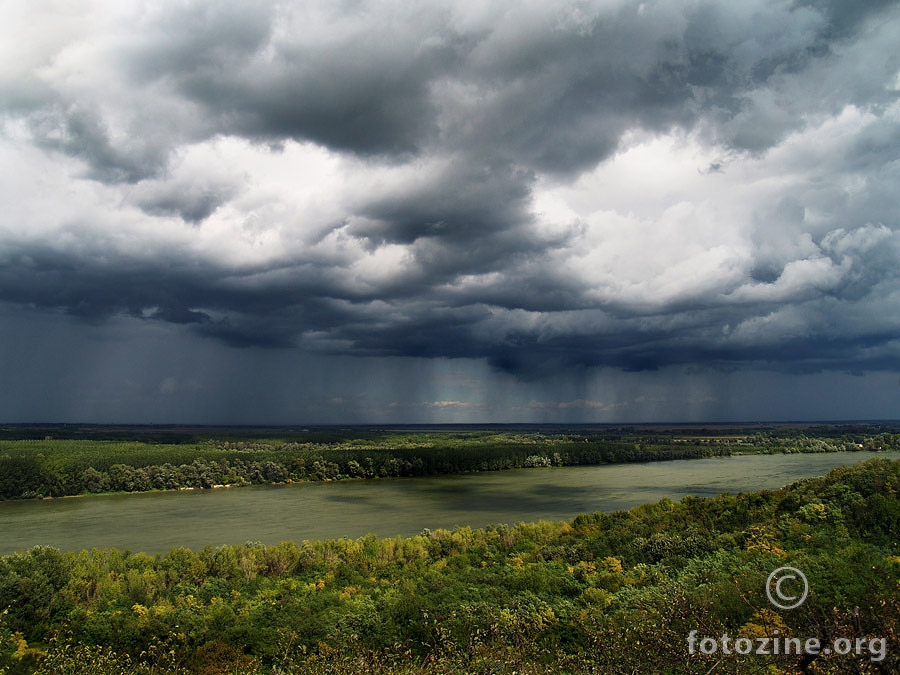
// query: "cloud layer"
[[543, 185]]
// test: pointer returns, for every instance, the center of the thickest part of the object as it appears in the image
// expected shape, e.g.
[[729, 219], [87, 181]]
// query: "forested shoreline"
[[91, 464], [609, 593]]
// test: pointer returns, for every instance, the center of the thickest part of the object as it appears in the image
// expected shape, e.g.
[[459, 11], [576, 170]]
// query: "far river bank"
[[158, 521]]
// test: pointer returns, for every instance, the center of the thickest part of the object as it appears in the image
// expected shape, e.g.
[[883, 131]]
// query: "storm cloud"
[[543, 187]]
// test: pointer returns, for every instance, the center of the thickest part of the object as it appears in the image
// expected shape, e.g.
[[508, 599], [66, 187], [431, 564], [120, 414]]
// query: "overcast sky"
[[367, 211]]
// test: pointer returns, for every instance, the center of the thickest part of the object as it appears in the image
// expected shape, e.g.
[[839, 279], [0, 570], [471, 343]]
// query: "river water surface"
[[157, 521]]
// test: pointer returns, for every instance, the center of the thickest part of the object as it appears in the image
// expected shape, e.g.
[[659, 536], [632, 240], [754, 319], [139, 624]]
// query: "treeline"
[[55, 468], [606, 593], [58, 467]]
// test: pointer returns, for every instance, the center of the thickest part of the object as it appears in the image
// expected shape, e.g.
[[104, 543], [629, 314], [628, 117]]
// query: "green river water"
[[157, 521]]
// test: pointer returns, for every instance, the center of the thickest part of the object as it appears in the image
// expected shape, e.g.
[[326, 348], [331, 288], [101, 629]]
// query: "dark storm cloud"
[[553, 91], [366, 92], [844, 16], [81, 132], [452, 121], [178, 292], [462, 203], [97, 287], [192, 202]]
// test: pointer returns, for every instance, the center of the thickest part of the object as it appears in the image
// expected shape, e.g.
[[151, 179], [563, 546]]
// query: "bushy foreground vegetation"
[[608, 593], [55, 467]]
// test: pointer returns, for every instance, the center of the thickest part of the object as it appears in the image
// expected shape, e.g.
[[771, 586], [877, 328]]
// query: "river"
[[158, 521]]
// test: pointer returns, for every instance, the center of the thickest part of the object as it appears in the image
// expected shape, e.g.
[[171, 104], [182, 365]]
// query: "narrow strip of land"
[[61, 461]]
